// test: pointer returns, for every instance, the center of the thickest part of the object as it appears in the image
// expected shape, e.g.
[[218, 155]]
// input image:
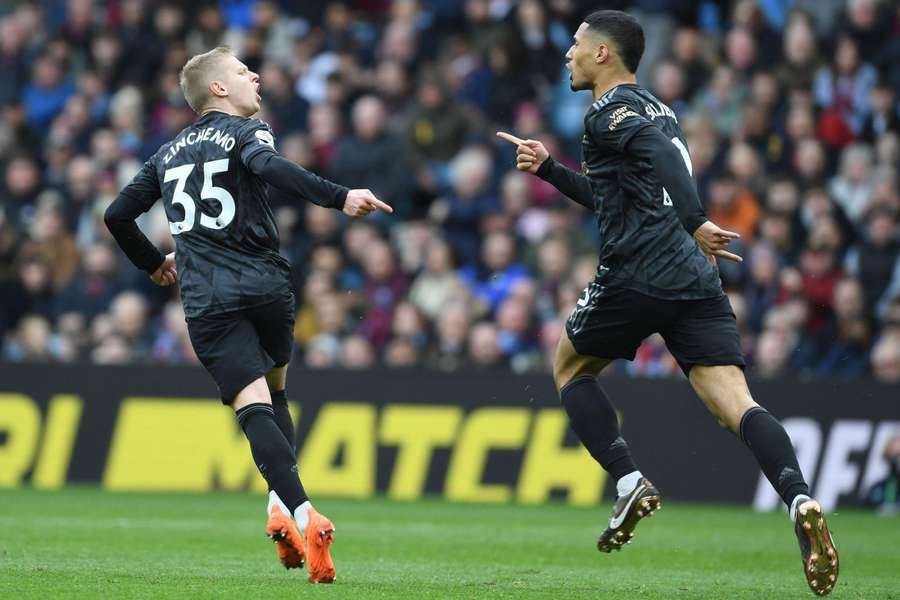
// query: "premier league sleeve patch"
[[265, 137]]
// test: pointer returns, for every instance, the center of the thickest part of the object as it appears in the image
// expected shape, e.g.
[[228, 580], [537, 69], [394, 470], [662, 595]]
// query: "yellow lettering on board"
[[548, 465], [416, 431], [485, 428], [20, 420], [60, 429], [340, 426], [180, 444]]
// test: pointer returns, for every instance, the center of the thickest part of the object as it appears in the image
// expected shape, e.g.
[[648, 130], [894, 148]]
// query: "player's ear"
[[602, 54], [217, 88]]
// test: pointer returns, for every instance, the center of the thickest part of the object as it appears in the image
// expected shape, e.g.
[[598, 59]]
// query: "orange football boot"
[[319, 537], [288, 541]]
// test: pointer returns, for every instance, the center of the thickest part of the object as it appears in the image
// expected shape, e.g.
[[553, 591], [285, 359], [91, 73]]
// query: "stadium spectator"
[[461, 212], [842, 91], [384, 287], [886, 358], [493, 279], [438, 283], [372, 158], [448, 351], [875, 258], [884, 495], [357, 353], [844, 343], [484, 347], [47, 93]]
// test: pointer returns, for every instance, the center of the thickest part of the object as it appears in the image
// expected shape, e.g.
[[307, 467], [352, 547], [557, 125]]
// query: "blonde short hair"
[[197, 73]]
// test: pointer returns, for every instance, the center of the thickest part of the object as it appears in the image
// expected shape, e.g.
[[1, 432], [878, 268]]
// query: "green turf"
[[88, 543]]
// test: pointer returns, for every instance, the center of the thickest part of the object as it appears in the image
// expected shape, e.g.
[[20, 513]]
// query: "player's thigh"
[[568, 364], [723, 389], [274, 323], [705, 341], [703, 333], [606, 324], [228, 347], [255, 392]]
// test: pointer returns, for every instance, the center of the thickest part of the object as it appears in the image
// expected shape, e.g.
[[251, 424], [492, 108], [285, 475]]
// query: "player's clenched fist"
[[359, 203], [530, 154]]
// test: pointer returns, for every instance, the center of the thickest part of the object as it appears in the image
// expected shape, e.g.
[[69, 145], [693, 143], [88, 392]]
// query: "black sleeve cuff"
[[693, 222], [545, 171]]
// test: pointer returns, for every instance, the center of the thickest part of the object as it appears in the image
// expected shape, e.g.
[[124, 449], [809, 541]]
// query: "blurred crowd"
[[790, 109]]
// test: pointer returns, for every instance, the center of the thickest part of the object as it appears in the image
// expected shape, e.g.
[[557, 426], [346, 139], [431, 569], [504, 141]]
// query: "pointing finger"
[[379, 204], [728, 255], [510, 138]]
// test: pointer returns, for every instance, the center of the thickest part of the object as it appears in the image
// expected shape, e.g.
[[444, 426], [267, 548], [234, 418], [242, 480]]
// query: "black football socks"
[[283, 418], [774, 452], [594, 420], [272, 453]]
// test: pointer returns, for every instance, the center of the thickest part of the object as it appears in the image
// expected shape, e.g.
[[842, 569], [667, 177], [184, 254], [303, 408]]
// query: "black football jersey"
[[226, 241], [643, 246]]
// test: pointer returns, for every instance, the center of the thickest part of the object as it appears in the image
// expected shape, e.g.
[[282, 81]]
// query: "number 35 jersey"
[[226, 241], [643, 246]]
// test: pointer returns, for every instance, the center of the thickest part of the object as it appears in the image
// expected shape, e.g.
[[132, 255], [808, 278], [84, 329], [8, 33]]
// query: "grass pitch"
[[86, 543]]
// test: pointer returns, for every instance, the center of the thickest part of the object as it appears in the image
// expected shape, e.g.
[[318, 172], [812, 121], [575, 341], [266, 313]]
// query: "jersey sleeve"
[[144, 187], [614, 124], [137, 197], [255, 139]]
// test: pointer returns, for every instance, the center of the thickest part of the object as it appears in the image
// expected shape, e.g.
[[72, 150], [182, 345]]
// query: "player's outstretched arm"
[[532, 157], [136, 198], [669, 166], [291, 178]]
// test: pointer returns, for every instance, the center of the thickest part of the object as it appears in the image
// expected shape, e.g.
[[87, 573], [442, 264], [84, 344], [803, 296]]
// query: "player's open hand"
[[713, 240], [166, 274], [530, 154], [360, 203]]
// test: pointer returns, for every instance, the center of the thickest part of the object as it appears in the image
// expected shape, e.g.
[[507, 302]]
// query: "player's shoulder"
[[618, 97], [255, 129], [251, 124]]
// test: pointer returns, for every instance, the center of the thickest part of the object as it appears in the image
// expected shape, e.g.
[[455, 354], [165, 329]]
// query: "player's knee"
[[560, 377], [729, 412], [566, 371], [276, 378]]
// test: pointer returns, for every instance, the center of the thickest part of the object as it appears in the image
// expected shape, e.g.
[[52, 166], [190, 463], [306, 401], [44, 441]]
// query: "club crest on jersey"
[[265, 137], [660, 110]]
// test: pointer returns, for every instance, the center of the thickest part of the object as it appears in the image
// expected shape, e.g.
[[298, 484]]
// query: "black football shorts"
[[611, 322], [239, 347]]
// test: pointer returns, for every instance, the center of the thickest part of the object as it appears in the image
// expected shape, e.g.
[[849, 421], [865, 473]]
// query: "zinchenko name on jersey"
[[216, 136]]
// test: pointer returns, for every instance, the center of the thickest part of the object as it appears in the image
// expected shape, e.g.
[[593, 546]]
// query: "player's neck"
[[606, 84], [228, 110]]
